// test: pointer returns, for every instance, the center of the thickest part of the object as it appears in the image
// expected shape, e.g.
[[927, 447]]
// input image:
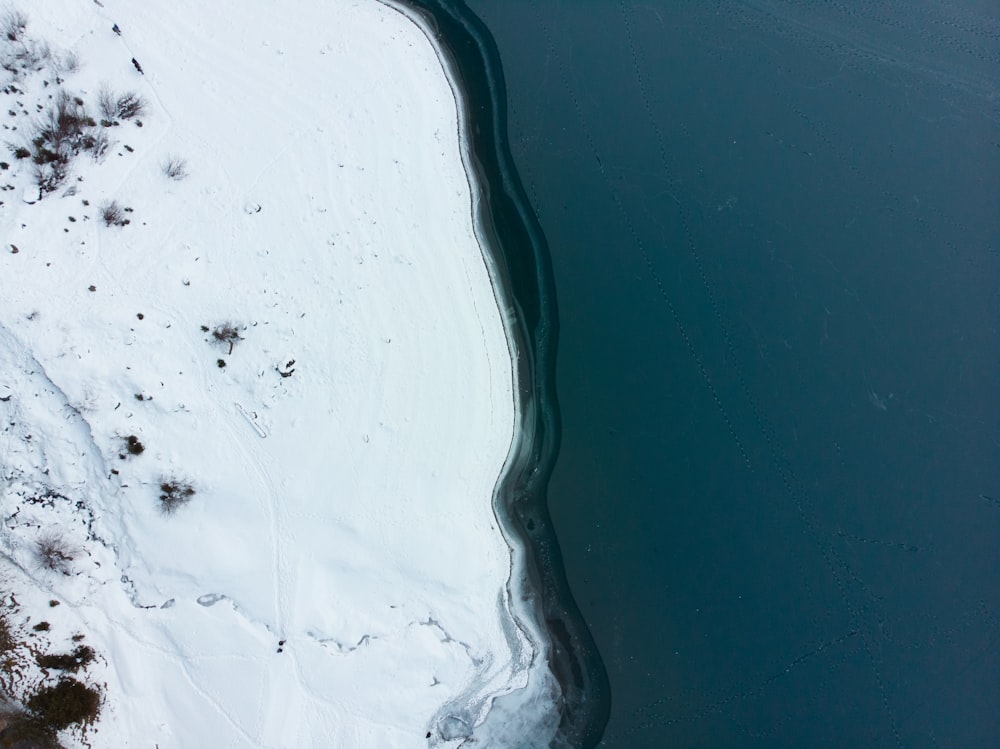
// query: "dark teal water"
[[774, 230]]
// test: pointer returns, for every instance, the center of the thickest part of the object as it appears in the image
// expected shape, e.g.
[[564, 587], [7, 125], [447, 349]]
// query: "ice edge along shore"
[[526, 712]]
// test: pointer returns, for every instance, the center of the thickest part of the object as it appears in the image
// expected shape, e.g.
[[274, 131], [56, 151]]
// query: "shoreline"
[[470, 714], [525, 296]]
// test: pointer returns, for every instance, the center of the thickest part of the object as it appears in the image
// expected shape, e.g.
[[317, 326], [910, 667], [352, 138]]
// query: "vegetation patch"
[[19, 54], [114, 107], [33, 710], [174, 494], [134, 446], [69, 702], [7, 641], [24, 731], [81, 657], [66, 129]]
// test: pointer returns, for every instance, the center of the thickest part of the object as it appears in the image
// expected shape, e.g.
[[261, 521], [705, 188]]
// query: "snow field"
[[336, 577]]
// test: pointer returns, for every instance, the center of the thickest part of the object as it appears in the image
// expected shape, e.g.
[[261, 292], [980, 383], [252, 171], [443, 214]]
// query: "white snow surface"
[[339, 574]]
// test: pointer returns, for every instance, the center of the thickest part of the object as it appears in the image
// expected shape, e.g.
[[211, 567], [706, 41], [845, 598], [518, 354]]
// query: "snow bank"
[[338, 574]]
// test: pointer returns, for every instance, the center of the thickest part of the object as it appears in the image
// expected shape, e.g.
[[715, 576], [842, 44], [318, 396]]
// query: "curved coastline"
[[515, 252]]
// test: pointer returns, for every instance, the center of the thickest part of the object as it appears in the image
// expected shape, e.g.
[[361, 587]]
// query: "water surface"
[[775, 235]]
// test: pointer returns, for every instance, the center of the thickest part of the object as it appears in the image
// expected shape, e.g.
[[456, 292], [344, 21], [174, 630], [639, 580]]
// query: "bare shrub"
[[227, 333], [112, 214], [37, 54], [64, 130], [130, 105], [54, 553], [113, 107], [107, 104], [19, 54], [49, 173], [65, 125], [12, 25], [174, 167], [99, 142], [174, 494], [68, 62], [25, 55]]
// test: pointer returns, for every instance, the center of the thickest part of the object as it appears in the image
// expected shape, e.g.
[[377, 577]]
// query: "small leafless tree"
[[54, 553], [227, 332]]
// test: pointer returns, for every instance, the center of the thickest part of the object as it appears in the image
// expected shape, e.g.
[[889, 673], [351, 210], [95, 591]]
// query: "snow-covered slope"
[[338, 574]]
